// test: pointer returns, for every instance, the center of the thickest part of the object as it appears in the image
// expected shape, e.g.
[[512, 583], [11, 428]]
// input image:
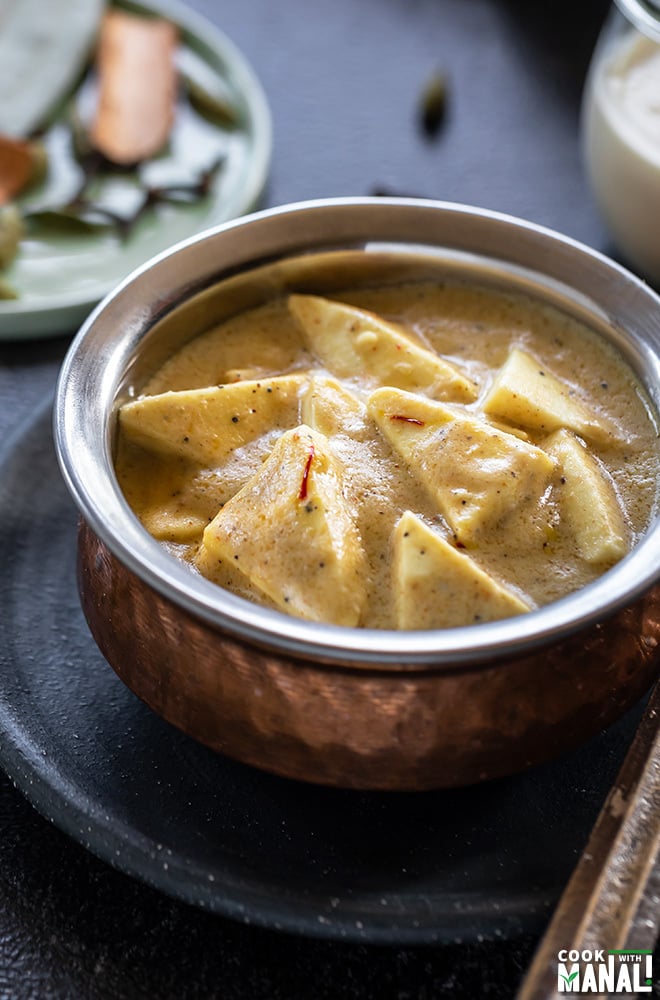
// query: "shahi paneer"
[[413, 457]]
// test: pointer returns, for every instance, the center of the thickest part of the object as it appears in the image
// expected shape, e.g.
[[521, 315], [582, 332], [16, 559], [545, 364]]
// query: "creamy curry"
[[413, 457]]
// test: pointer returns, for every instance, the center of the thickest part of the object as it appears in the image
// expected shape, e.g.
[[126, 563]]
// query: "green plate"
[[60, 275]]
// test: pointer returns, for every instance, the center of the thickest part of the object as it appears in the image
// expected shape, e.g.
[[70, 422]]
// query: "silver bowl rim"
[[83, 452]]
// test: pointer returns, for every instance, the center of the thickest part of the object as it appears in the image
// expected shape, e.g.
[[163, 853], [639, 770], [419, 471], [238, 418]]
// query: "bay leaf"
[[39, 67]]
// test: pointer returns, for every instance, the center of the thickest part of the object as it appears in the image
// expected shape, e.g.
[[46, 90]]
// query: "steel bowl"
[[360, 708]]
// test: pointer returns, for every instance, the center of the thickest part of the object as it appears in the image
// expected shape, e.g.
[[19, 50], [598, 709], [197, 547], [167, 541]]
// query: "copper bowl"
[[357, 708]]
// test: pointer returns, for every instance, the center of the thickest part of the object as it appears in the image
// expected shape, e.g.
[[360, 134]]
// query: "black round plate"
[[468, 864]]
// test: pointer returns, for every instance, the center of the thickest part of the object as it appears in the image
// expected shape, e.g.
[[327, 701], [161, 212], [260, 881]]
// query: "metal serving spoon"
[[612, 901]]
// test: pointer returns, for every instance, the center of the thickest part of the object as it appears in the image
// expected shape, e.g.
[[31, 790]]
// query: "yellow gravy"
[[534, 547]]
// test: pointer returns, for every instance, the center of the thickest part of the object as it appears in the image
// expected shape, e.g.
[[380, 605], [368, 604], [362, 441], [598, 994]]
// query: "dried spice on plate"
[[433, 104], [21, 164]]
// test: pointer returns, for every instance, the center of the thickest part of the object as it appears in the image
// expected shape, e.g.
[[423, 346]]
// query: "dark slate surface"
[[343, 80]]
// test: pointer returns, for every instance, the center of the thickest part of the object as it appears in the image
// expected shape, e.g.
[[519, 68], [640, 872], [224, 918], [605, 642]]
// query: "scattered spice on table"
[[433, 104]]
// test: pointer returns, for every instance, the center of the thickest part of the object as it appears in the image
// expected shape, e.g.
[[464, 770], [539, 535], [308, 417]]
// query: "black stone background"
[[343, 80]]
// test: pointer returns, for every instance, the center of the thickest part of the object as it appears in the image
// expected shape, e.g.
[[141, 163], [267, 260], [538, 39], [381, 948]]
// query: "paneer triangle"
[[207, 425], [476, 473], [330, 408], [588, 501], [350, 340], [435, 586], [291, 533], [525, 392]]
